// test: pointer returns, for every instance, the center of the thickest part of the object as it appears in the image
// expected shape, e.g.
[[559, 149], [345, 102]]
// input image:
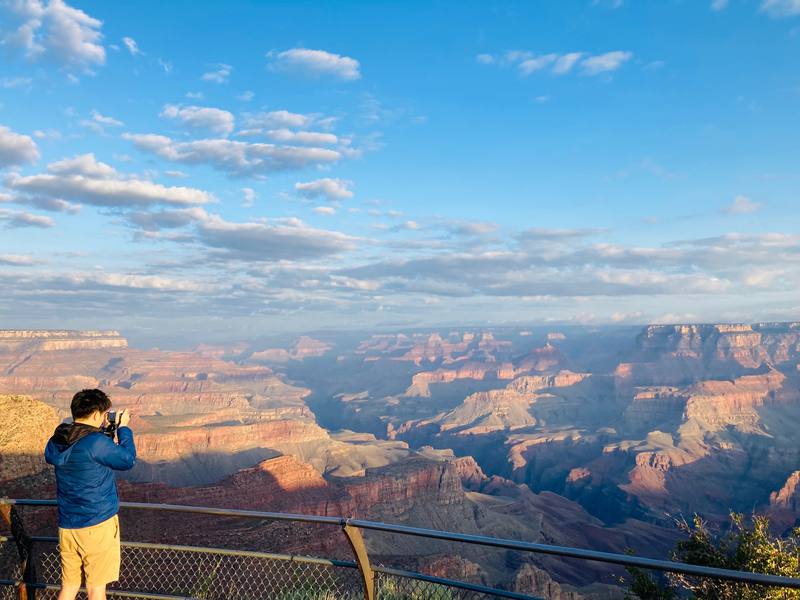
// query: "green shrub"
[[747, 546]]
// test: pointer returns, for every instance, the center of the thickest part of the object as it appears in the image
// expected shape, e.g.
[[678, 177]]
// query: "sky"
[[190, 169]]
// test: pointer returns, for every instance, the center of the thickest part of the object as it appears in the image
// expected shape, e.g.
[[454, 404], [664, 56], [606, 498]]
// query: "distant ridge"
[[60, 339]]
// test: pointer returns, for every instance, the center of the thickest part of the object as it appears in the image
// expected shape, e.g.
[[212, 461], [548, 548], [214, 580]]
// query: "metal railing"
[[168, 571]]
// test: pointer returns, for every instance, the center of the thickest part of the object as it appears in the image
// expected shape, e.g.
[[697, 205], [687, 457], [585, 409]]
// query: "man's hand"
[[123, 418]]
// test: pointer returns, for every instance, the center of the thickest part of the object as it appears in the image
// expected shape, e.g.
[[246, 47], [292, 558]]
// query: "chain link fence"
[[214, 574], [209, 574]]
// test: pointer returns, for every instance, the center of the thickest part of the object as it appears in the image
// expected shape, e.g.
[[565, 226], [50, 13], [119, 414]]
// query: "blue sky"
[[262, 167]]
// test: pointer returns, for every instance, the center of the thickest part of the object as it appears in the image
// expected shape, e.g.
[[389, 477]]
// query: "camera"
[[111, 428]]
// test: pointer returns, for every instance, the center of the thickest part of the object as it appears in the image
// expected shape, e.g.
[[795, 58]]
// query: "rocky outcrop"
[[421, 382], [512, 407], [171, 445], [305, 347], [542, 360], [656, 407], [450, 566], [746, 346], [285, 483], [201, 455], [25, 426], [788, 497], [308, 347], [392, 492], [469, 471], [719, 404], [533, 383], [530, 579]]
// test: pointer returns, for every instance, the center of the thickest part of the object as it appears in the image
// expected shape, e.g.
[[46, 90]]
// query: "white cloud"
[[16, 260], [131, 45], [234, 157], [49, 203], [288, 239], [166, 65], [470, 228], [131, 281], [246, 96], [515, 56], [315, 63], [781, 8], [249, 197], [214, 119], [537, 63], [303, 138], [166, 219], [103, 120], [86, 180], [15, 82], [49, 134], [604, 63], [99, 122], [54, 31], [558, 64], [565, 62], [763, 278], [220, 73], [194, 95], [176, 174], [16, 148], [277, 119], [325, 210], [332, 189], [741, 205], [18, 218], [106, 120], [718, 5], [82, 164], [620, 317]]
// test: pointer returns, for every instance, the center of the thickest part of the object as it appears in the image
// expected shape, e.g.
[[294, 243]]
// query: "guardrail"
[[221, 573]]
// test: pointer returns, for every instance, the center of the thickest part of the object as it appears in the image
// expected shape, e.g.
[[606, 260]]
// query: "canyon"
[[595, 438]]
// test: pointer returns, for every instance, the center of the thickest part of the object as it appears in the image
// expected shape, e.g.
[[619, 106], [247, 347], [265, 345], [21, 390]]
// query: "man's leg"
[[102, 560], [68, 591], [96, 592], [71, 564]]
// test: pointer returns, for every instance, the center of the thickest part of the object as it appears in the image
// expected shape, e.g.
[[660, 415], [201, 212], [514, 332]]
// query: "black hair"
[[85, 402]]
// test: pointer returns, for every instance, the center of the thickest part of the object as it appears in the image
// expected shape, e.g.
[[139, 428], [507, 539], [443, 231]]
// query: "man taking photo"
[[85, 459]]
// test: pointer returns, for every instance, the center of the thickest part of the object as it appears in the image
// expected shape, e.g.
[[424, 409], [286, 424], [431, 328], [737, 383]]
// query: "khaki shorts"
[[93, 552]]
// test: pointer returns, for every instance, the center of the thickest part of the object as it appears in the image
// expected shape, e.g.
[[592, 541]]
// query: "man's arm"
[[120, 457]]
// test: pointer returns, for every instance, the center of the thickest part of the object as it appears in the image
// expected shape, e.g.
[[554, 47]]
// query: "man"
[[85, 459]]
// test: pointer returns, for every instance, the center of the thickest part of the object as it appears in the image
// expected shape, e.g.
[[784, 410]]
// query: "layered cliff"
[[49, 340], [521, 403]]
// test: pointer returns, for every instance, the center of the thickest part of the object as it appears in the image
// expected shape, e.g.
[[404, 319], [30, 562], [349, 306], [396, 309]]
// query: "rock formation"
[[25, 427]]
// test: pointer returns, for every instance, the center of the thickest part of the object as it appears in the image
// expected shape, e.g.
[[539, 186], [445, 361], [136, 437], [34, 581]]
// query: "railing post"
[[353, 535], [24, 545]]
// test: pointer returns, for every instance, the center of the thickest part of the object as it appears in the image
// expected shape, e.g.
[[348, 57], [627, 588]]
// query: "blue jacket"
[[85, 460]]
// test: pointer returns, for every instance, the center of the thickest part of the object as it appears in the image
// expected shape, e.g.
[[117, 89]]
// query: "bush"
[[747, 546]]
